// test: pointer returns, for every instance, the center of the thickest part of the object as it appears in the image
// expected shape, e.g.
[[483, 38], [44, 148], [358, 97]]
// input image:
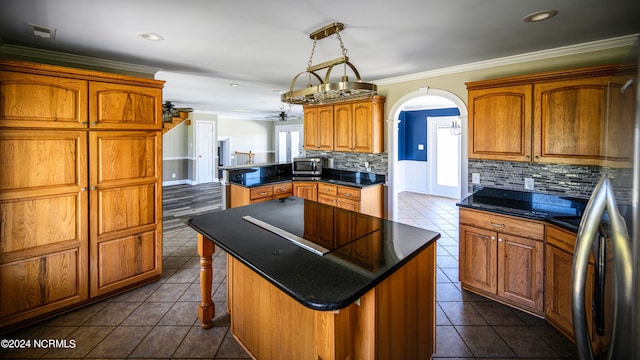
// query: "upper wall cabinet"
[[318, 128], [117, 106], [557, 117], [500, 123], [41, 101], [354, 126]]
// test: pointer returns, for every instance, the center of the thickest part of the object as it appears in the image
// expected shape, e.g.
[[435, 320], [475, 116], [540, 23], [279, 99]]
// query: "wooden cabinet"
[[502, 257], [306, 190], [500, 123], [318, 128], [569, 121], [44, 255], [356, 126], [126, 231], [367, 200], [558, 270], [118, 106], [80, 208], [241, 196], [555, 117], [42, 101]]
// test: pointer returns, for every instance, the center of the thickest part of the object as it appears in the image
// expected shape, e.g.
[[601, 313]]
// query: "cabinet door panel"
[[306, 190], [41, 284], [40, 101], [500, 123], [117, 106], [125, 258], [558, 289], [363, 127], [310, 141], [125, 156], [569, 121], [520, 271], [478, 251], [343, 127], [126, 208], [42, 159], [325, 128]]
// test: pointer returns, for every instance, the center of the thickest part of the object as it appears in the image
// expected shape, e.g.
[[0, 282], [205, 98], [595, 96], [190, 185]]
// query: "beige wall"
[[246, 135]]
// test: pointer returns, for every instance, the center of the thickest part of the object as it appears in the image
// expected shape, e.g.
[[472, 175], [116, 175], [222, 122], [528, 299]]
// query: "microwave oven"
[[306, 166]]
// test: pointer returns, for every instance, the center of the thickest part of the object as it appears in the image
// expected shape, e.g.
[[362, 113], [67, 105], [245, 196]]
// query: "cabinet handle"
[[262, 193], [346, 195], [496, 225]]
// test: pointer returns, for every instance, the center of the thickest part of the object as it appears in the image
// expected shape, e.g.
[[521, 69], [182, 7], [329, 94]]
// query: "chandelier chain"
[[344, 49]]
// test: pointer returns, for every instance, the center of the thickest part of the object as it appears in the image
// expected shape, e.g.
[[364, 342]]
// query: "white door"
[[205, 150], [444, 156], [288, 142]]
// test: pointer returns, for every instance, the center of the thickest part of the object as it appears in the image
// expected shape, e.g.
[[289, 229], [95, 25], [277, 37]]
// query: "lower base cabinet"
[[558, 270], [498, 264]]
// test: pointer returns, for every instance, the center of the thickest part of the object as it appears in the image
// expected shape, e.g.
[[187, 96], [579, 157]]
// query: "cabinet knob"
[[83, 189], [94, 188], [84, 123], [527, 157], [499, 239], [493, 238], [537, 157], [94, 123]]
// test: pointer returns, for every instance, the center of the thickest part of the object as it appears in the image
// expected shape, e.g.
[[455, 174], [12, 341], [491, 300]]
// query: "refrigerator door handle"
[[585, 237], [601, 200]]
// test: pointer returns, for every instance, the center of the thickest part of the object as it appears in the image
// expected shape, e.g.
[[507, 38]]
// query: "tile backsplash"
[[569, 180], [378, 163]]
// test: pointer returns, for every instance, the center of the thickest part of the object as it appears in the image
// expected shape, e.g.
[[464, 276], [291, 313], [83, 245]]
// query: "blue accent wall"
[[412, 132]]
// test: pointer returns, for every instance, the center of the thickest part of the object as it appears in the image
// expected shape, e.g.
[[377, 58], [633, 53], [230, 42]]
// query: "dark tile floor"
[[159, 320]]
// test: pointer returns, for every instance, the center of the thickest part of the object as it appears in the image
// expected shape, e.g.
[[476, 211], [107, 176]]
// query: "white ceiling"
[[260, 45]]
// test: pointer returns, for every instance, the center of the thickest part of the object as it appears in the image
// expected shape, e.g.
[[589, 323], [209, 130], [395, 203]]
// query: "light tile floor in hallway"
[[159, 320]]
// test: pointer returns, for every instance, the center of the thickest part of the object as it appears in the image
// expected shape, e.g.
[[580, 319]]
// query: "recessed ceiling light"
[[540, 16], [233, 84], [150, 36]]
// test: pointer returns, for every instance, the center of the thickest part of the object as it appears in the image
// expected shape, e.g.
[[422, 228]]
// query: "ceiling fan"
[[283, 116]]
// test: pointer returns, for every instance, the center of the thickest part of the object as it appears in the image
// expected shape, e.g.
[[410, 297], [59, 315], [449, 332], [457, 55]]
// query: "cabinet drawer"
[[504, 224], [327, 200], [562, 239], [261, 192], [328, 189], [349, 193], [282, 190]]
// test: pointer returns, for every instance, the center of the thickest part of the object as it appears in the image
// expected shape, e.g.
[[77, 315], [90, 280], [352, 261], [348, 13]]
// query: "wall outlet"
[[420, 146], [529, 184], [475, 178], [173, 175]]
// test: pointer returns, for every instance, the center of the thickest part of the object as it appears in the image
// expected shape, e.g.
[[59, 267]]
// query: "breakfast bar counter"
[[310, 281]]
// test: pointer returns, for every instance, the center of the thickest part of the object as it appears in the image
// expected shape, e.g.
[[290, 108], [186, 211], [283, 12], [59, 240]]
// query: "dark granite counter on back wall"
[[271, 174], [563, 211]]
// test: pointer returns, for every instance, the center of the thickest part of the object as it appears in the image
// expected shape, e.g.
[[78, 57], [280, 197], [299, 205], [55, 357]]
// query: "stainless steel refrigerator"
[[607, 250]]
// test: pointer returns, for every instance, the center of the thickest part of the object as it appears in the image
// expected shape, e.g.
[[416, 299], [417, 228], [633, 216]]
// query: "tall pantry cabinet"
[[80, 187]]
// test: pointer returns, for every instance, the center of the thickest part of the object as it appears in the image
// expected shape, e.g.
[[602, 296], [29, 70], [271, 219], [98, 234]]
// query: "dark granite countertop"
[[328, 282], [562, 211], [265, 175]]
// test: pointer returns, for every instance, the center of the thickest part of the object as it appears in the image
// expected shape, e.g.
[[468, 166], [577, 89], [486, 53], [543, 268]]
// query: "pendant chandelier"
[[326, 91]]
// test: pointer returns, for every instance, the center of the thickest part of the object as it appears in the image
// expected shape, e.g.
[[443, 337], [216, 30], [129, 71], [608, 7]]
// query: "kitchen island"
[[308, 281]]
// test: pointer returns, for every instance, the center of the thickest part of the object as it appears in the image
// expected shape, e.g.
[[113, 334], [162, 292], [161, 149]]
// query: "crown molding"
[[61, 57], [598, 45]]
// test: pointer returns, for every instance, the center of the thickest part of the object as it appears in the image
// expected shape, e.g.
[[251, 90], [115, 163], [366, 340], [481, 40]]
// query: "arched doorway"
[[395, 172]]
